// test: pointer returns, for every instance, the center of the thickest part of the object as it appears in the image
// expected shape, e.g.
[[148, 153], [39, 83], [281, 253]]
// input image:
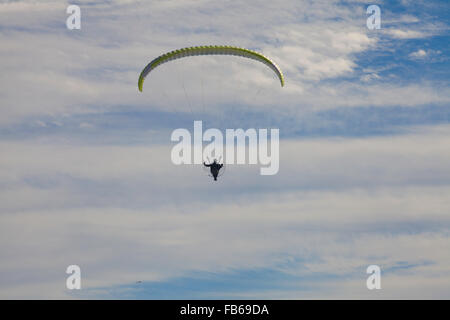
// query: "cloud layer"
[[86, 177]]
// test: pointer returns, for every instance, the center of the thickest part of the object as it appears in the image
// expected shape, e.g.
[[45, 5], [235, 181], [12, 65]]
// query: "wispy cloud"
[[95, 69], [85, 171], [422, 54], [406, 34], [337, 206]]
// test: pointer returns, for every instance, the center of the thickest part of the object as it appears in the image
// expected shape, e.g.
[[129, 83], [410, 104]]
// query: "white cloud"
[[406, 34], [418, 54], [125, 213], [94, 69], [338, 205], [336, 233], [424, 54], [369, 77]]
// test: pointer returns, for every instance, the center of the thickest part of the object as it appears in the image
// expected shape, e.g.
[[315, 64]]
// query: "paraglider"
[[209, 50], [214, 168]]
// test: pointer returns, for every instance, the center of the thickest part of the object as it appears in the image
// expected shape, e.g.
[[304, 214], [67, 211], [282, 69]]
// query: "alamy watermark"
[[74, 280], [233, 150], [374, 20], [74, 20], [374, 280]]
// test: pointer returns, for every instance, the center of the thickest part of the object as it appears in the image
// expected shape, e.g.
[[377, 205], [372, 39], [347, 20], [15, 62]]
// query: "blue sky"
[[86, 176]]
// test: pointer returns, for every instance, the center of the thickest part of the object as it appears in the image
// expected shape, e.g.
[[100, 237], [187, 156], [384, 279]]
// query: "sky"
[[85, 171]]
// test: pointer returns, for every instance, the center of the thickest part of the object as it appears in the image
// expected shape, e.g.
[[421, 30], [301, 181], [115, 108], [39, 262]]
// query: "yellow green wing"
[[209, 50]]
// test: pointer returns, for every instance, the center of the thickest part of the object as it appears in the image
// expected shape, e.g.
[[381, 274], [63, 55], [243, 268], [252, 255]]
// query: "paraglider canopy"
[[209, 50]]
